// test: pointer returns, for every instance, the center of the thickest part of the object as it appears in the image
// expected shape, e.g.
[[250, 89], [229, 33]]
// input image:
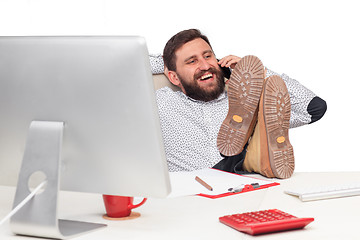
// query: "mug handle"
[[132, 206]]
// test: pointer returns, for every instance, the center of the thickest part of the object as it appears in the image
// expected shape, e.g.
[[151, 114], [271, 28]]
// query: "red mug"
[[120, 206]]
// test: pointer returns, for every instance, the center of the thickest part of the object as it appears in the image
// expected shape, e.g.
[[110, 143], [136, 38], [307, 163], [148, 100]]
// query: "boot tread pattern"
[[284, 162], [277, 111], [244, 90]]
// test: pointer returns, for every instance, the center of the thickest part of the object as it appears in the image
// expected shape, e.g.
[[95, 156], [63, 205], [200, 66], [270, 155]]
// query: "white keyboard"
[[325, 192]]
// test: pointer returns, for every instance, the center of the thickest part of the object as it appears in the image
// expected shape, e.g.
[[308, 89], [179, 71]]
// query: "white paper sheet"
[[184, 183]]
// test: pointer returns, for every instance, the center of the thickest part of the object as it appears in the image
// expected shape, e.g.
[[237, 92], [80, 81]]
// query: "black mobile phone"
[[226, 71]]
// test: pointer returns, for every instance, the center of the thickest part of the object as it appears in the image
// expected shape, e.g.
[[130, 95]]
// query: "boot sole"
[[277, 111], [244, 90]]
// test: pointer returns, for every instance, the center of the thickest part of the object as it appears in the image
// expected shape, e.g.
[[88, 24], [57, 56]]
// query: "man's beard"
[[195, 91]]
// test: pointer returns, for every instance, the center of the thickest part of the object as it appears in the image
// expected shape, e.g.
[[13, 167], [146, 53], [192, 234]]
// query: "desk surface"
[[195, 217]]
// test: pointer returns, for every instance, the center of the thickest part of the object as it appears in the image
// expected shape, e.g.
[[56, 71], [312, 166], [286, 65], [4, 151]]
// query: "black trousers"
[[233, 164]]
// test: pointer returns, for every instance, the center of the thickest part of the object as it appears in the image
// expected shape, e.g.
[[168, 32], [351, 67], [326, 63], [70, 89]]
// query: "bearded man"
[[241, 130]]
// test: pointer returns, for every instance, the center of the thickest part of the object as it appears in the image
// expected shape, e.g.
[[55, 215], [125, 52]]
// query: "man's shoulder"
[[166, 94]]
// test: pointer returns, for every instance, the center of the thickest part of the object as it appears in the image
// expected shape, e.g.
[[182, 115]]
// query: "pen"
[[242, 186], [203, 183], [237, 189]]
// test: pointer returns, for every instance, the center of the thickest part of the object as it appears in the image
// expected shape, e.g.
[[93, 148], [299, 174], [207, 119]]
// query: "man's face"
[[198, 71]]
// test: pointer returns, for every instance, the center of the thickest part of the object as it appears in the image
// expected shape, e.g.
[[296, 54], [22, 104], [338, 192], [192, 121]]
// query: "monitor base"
[[38, 217]]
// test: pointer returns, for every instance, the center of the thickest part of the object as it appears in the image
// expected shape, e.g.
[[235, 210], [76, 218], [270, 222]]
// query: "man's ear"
[[173, 78]]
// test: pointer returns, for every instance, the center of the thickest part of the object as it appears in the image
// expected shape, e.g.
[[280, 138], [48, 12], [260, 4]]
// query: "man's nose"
[[204, 65]]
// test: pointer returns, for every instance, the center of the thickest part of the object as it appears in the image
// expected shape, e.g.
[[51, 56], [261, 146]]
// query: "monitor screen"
[[101, 88]]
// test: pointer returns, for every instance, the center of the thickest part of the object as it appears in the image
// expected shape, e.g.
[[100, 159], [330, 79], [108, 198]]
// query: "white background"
[[315, 42]]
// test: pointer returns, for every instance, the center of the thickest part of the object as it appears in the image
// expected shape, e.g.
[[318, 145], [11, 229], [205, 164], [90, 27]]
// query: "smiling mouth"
[[206, 77]]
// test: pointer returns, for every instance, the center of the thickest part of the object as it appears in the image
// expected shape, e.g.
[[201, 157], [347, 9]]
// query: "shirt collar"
[[221, 97]]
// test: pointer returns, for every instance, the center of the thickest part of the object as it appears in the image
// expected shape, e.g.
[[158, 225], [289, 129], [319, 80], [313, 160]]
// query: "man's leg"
[[244, 90], [270, 152]]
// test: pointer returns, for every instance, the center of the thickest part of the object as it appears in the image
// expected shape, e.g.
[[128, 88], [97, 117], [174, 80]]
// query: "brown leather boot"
[[252, 162], [244, 90], [270, 152]]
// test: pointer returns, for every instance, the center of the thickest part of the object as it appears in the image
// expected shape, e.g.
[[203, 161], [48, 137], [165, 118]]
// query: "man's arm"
[[306, 107], [156, 63]]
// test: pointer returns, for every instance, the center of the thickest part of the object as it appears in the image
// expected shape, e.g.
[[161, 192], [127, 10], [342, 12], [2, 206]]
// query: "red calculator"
[[265, 221]]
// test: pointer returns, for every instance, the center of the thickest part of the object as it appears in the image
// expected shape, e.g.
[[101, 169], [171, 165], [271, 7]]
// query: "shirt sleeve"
[[156, 63], [300, 98]]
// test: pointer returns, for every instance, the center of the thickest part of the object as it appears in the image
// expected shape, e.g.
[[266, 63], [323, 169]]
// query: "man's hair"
[[176, 42]]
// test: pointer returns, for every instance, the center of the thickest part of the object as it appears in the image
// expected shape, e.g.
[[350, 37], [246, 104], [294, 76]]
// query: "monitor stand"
[[39, 217]]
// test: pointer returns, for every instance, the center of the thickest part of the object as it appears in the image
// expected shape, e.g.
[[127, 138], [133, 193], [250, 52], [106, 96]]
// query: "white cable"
[[23, 202]]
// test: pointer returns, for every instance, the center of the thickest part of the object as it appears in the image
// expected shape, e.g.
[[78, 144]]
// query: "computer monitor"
[[90, 102]]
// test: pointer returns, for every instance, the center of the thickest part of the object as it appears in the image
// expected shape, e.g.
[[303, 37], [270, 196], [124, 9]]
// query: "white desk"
[[195, 217]]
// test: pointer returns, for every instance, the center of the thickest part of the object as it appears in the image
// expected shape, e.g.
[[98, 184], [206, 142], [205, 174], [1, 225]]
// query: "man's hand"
[[229, 61]]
